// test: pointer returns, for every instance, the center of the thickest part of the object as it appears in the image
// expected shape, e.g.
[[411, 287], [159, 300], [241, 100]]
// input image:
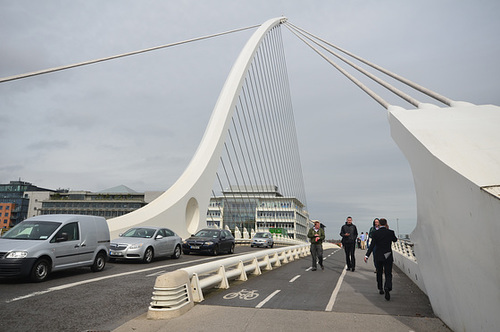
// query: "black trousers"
[[317, 254], [385, 267], [349, 255]]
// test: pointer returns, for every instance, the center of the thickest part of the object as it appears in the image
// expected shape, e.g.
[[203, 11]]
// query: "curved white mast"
[[183, 206]]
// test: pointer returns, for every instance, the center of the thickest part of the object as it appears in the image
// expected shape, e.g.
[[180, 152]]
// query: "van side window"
[[71, 229]]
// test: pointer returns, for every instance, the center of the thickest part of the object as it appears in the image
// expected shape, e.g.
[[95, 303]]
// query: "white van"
[[39, 245]]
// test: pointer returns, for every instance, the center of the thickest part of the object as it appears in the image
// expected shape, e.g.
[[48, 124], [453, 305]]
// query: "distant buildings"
[[20, 200], [14, 201], [261, 208], [109, 203]]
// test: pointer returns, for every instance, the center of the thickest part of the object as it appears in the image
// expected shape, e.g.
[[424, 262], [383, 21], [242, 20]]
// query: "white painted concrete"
[[454, 152]]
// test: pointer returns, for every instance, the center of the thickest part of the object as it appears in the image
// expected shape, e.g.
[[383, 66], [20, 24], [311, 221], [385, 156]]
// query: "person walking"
[[375, 226], [362, 237], [349, 234], [382, 239], [316, 235]]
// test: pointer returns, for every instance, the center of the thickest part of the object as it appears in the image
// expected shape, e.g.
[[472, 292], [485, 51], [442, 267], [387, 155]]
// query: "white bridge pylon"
[[183, 206]]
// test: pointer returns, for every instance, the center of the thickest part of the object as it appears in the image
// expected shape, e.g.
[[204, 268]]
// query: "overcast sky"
[[137, 121]]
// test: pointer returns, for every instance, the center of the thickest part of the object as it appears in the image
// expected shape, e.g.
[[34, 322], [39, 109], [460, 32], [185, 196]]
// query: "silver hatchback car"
[[262, 239], [146, 243]]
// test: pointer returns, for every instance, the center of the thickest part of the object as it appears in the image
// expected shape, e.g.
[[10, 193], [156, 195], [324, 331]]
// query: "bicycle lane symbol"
[[242, 294]]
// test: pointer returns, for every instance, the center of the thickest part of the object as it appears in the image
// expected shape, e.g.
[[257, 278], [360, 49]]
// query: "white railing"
[[245, 237], [405, 259], [405, 248], [175, 292], [277, 241], [220, 272]]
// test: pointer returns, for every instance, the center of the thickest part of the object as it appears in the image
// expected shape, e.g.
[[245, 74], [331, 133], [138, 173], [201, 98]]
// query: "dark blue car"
[[209, 240]]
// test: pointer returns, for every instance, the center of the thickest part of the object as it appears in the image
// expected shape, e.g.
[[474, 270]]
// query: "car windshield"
[[139, 232], [261, 235], [32, 230], [207, 233]]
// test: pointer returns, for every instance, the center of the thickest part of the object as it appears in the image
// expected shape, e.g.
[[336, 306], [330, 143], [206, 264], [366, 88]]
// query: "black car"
[[208, 240]]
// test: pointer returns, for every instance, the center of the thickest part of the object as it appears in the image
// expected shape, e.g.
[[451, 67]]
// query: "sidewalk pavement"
[[359, 307]]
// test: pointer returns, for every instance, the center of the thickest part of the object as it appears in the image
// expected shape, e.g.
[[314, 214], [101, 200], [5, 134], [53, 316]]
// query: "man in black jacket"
[[349, 234], [383, 238]]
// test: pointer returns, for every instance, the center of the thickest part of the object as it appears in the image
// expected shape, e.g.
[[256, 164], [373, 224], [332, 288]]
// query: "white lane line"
[[74, 284], [309, 268], [267, 299], [329, 306], [294, 278], [156, 273]]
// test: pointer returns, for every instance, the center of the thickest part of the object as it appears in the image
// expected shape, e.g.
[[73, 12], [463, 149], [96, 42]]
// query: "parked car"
[[43, 244], [209, 240], [146, 243], [262, 239]]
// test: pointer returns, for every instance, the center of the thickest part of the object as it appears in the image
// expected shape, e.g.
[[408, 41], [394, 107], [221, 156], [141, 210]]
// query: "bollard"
[[172, 296]]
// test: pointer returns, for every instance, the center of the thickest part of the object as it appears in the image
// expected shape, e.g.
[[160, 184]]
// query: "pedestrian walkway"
[[358, 306]]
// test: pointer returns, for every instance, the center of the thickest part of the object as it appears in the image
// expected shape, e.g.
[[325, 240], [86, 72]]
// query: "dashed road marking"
[[267, 299]]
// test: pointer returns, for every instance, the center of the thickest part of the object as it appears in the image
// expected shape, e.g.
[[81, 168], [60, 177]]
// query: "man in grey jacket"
[[349, 234]]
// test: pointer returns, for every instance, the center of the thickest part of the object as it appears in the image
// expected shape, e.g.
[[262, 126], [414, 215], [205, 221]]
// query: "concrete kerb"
[[172, 296]]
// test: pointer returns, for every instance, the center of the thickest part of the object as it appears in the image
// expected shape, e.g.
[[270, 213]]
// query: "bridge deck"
[[358, 304]]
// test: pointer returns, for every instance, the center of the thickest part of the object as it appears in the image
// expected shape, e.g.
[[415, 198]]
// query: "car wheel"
[[272, 245], [99, 262], [215, 250], [40, 270], [177, 252], [251, 246], [231, 251], [148, 255]]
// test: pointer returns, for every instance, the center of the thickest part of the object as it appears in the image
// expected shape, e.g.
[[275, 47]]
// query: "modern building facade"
[[5, 214], [15, 193], [259, 208], [108, 203]]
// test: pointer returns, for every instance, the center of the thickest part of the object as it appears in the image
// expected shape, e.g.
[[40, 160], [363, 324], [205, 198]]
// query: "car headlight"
[[136, 246], [209, 243], [17, 254]]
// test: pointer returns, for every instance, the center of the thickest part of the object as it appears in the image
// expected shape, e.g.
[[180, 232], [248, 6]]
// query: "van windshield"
[[32, 230]]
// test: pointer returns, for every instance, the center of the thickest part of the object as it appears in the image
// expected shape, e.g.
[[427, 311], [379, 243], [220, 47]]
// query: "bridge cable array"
[[303, 35], [261, 149]]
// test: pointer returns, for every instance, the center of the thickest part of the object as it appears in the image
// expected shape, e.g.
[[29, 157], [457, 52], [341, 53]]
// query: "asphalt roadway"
[[356, 303]]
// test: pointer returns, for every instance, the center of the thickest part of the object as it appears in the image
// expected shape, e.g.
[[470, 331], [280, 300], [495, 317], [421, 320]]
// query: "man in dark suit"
[[382, 239]]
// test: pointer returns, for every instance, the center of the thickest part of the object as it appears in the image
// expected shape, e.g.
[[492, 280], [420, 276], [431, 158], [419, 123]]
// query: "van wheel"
[[40, 270], [148, 255], [99, 262], [177, 252]]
